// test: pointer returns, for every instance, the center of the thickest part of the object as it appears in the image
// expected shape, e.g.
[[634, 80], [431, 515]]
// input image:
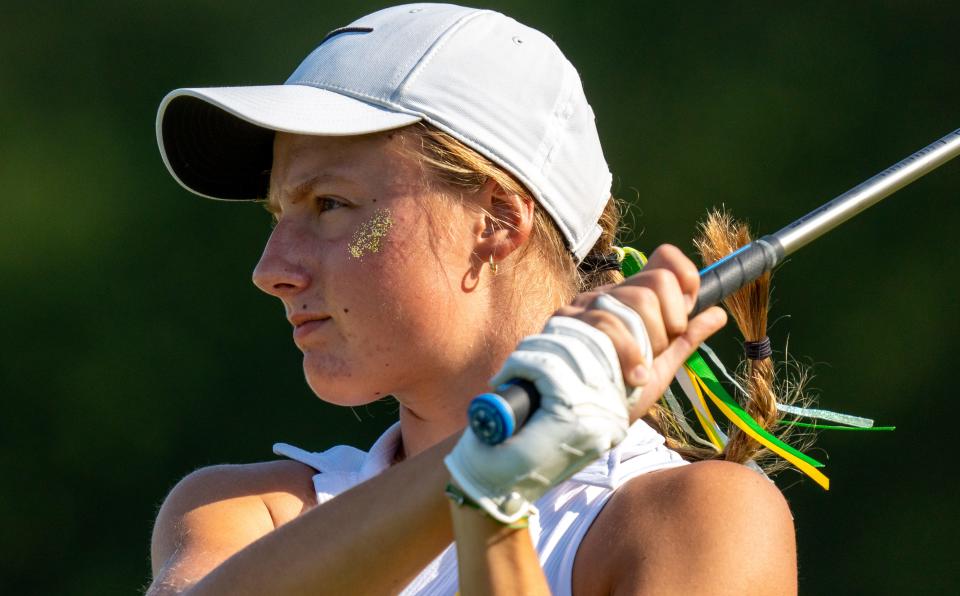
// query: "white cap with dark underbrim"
[[498, 86]]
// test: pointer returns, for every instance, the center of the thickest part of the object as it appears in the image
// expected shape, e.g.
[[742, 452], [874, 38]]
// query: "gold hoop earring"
[[493, 266]]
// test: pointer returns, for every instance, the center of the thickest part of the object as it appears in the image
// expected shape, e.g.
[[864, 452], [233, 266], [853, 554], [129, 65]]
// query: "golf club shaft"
[[740, 267], [494, 417]]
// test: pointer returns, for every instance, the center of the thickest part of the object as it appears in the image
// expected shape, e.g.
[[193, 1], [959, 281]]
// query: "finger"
[[629, 353], [671, 359], [673, 306], [569, 311], [671, 258], [585, 299], [644, 302]]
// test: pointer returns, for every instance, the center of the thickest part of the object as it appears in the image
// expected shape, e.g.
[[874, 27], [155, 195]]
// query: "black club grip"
[[736, 270]]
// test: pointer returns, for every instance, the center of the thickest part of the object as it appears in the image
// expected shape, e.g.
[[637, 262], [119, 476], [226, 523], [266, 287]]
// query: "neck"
[[428, 417], [429, 414]]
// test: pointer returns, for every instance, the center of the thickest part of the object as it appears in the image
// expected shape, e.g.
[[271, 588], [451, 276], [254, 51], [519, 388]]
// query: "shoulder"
[[714, 526], [215, 511]]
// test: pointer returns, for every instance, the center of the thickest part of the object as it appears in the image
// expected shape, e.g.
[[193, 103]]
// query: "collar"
[[343, 467]]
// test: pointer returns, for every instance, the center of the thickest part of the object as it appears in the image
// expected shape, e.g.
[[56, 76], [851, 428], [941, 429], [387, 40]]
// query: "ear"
[[505, 223]]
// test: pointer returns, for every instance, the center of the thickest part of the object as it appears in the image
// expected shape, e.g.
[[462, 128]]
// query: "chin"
[[332, 380]]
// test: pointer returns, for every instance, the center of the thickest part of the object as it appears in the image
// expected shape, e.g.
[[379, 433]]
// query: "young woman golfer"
[[442, 221]]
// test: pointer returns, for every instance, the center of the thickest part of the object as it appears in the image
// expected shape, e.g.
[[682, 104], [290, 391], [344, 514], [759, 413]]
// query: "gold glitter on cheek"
[[369, 236]]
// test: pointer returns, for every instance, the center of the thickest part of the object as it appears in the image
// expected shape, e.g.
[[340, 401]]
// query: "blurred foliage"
[[136, 349]]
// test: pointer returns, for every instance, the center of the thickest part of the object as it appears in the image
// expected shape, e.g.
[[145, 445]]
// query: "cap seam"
[[432, 50], [402, 74], [385, 102], [550, 138]]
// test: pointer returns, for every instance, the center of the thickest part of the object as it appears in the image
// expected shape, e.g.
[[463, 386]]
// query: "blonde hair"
[[459, 167]]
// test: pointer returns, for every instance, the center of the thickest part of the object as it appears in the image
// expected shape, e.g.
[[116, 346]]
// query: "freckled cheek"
[[384, 247], [395, 284], [363, 286]]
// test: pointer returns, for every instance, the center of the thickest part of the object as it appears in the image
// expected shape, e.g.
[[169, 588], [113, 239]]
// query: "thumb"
[[669, 361]]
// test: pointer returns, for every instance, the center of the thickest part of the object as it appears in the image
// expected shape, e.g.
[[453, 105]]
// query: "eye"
[[273, 211], [324, 203]]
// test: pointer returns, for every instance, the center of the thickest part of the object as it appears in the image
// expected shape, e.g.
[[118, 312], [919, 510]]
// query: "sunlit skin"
[[369, 236], [404, 303]]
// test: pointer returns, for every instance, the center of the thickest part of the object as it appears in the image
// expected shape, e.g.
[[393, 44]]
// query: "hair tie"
[[597, 263], [758, 350]]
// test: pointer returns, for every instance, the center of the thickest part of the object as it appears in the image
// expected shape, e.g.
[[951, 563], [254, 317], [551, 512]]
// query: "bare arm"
[[395, 524], [493, 558], [707, 528]]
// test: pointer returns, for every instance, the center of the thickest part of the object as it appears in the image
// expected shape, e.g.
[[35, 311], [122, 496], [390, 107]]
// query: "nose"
[[280, 271]]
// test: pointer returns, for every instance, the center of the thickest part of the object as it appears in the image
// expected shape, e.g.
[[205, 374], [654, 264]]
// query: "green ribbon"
[[834, 426], [632, 262], [700, 368]]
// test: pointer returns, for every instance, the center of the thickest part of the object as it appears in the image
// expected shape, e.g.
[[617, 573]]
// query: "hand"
[[581, 364], [583, 413], [663, 294]]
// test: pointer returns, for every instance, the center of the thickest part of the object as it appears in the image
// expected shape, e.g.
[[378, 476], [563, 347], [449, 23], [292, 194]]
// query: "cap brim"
[[218, 142]]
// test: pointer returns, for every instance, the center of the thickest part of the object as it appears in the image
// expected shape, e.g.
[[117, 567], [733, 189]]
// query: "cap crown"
[[500, 87]]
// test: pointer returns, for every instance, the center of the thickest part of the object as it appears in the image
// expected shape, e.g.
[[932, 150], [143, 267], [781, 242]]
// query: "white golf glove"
[[582, 414]]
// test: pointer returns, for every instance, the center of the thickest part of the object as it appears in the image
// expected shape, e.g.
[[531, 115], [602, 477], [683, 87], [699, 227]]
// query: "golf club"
[[494, 417]]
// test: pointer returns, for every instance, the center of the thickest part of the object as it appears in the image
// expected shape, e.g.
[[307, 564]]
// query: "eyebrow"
[[272, 202]]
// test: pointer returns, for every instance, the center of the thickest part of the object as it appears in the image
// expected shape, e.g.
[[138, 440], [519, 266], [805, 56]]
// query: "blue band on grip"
[[491, 418], [494, 417], [724, 259]]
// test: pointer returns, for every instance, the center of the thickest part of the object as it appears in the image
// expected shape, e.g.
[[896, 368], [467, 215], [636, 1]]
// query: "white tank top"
[[566, 512]]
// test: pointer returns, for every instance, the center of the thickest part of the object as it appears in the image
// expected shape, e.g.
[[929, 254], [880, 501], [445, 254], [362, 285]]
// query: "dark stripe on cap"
[[346, 30]]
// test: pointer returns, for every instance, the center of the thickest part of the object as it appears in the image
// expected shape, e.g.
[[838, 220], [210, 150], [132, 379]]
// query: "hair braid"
[[720, 235]]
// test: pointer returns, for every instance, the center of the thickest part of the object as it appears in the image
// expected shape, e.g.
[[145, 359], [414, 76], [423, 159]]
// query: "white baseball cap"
[[498, 86]]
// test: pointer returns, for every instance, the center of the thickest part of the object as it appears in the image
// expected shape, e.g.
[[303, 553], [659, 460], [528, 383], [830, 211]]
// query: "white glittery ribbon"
[[680, 416], [828, 415], [847, 419]]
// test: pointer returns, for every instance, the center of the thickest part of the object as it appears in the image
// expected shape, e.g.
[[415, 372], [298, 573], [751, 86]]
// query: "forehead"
[[374, 161]]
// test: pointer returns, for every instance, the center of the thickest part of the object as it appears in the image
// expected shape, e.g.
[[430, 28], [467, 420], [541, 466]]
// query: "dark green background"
[[135, 348]]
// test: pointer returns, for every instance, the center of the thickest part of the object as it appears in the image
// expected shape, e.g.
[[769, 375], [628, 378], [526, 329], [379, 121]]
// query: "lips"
[[304, 329], [305, 324]]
